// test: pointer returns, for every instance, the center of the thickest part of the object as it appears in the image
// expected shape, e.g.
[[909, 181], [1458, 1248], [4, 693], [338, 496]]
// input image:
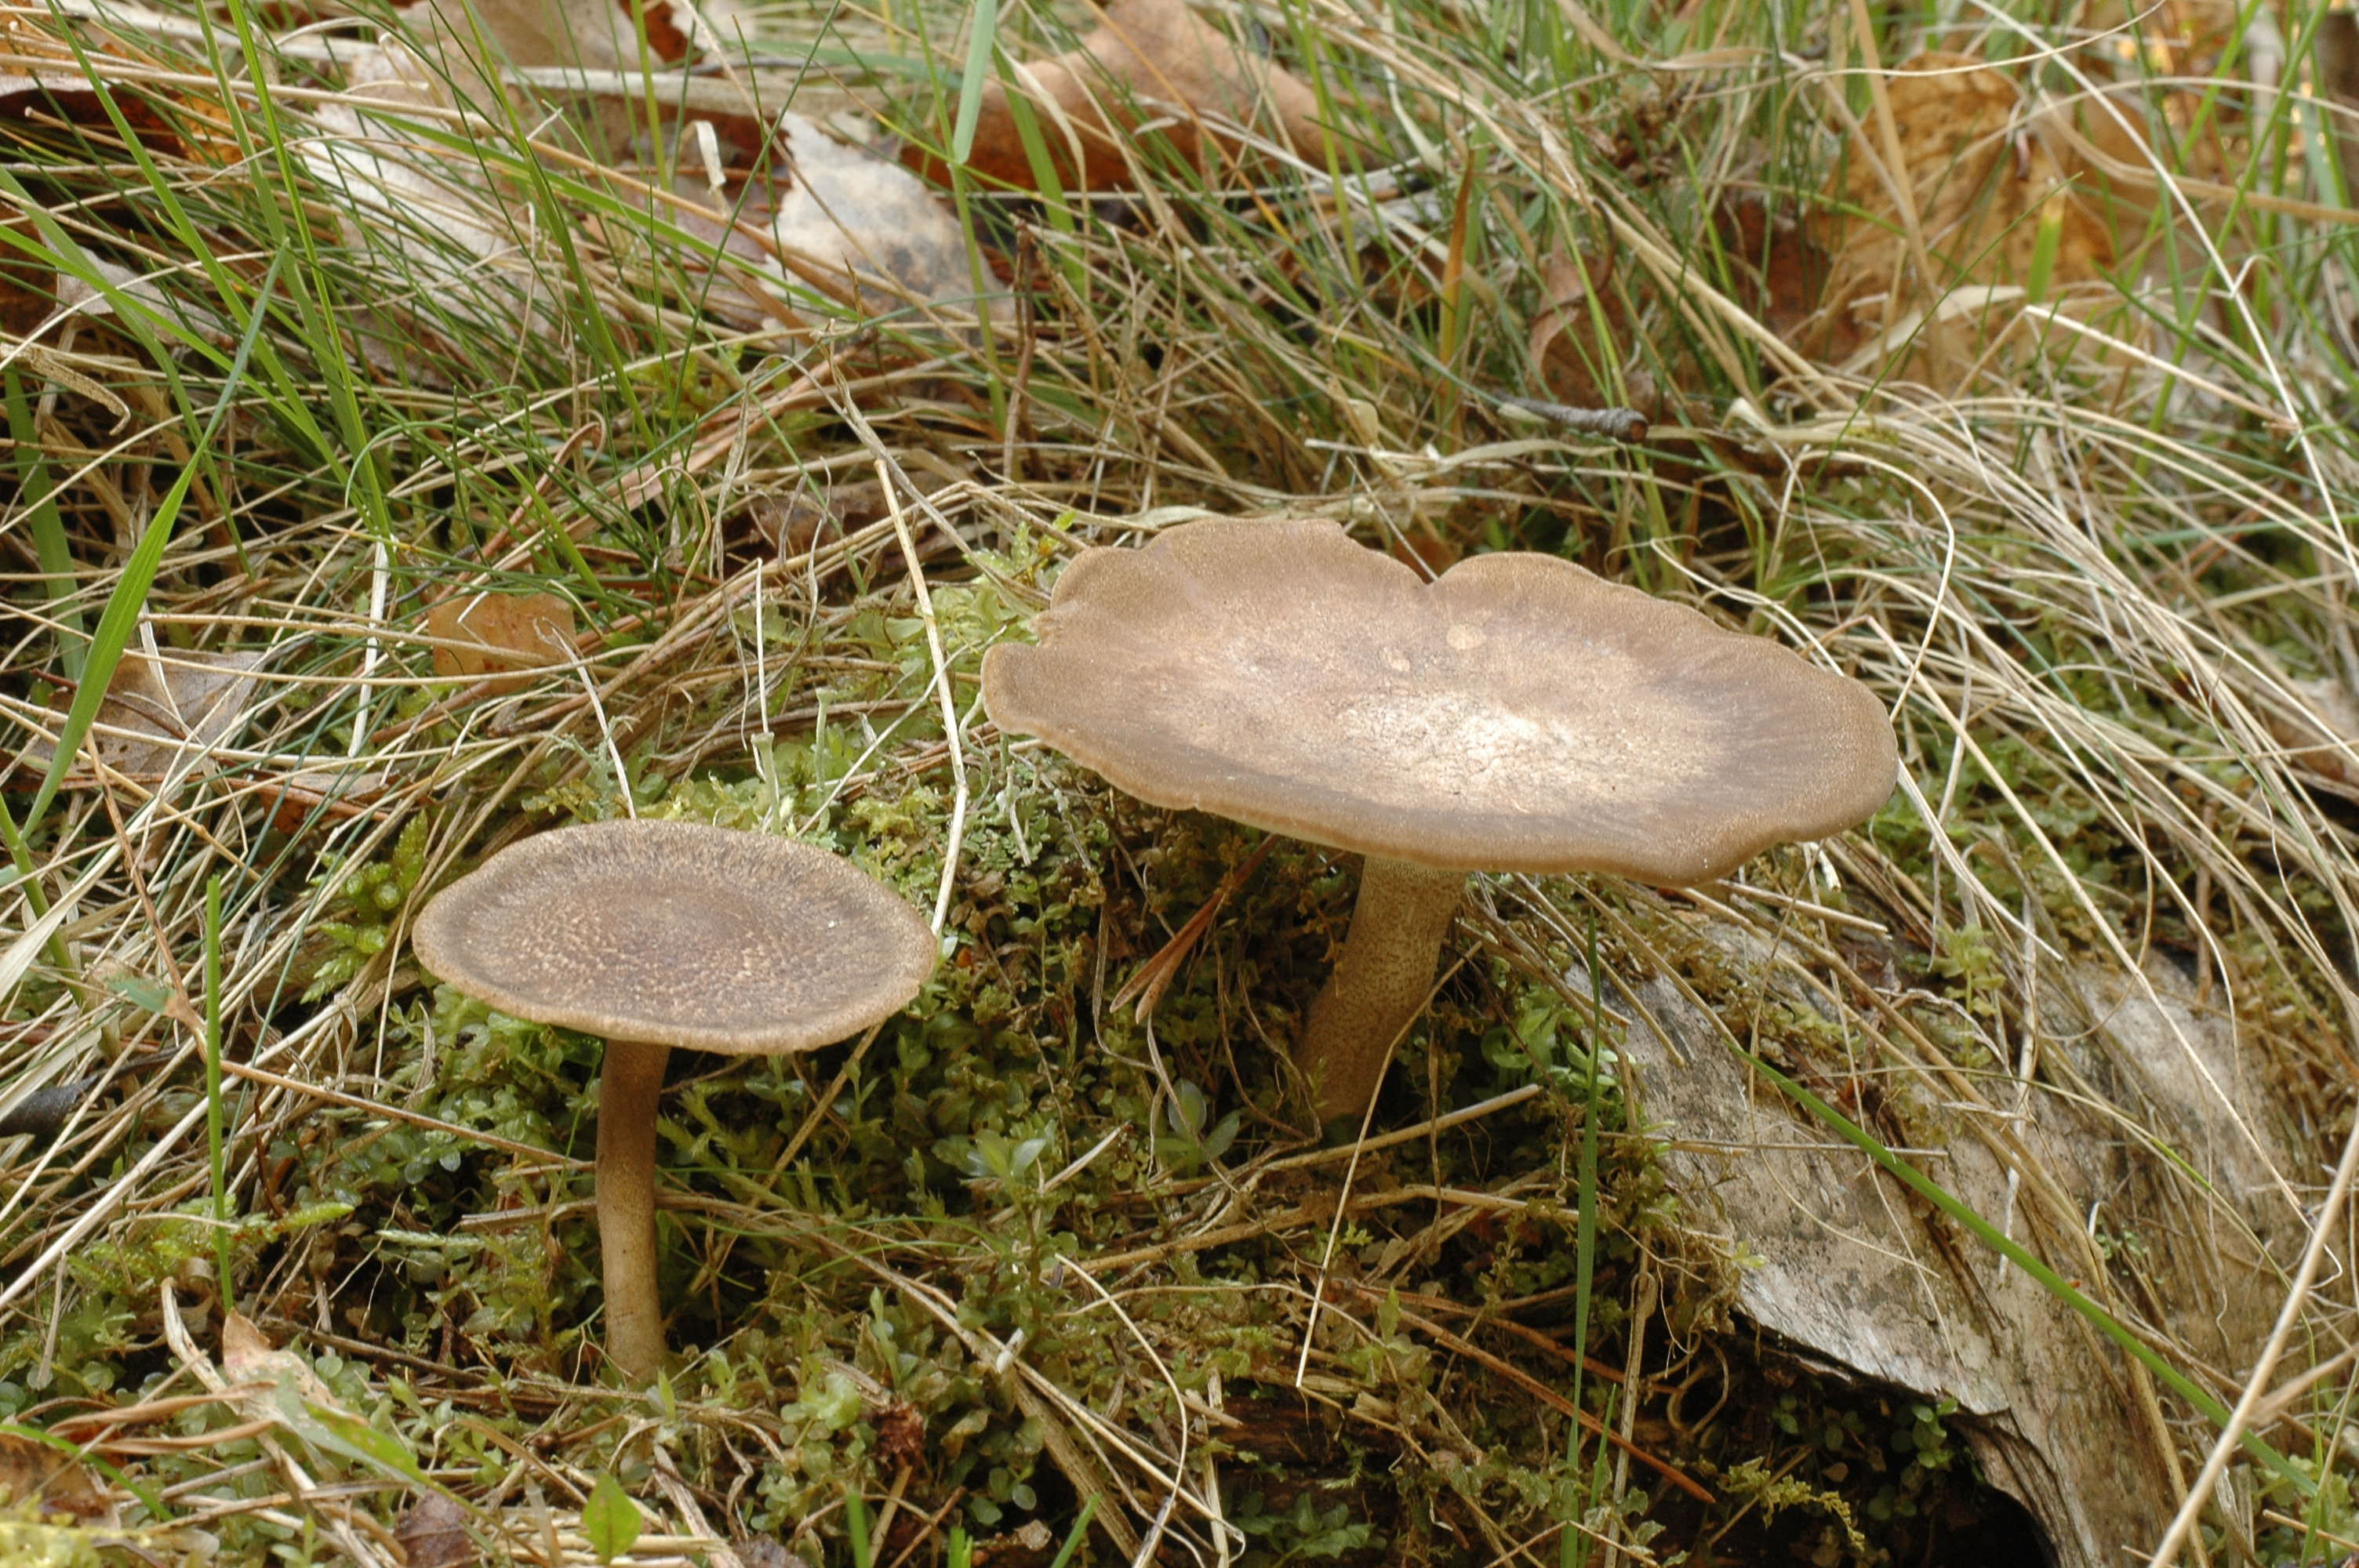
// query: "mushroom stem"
[[627, 1091], [1380, 982]]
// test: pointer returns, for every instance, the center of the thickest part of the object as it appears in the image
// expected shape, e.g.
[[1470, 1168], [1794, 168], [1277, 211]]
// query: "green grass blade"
[[121, 617], [855, 1524], [1075, 1536], [50, 550], [115, 627], [979, 47]]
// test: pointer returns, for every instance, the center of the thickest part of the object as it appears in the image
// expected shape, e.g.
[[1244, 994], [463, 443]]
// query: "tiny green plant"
[[1191, 1140], [610, 1521]]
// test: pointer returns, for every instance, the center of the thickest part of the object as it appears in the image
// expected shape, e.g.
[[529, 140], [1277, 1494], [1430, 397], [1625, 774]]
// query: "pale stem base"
[[1380, 982], [631, 1084]]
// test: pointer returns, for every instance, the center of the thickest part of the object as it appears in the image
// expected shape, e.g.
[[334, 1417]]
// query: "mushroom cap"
[[679, 934], [1516, 714]]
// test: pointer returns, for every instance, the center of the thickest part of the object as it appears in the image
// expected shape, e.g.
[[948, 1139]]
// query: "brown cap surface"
[[1518, 714], [679, 934]]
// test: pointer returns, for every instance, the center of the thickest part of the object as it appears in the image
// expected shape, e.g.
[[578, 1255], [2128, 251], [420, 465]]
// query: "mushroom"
[[660, 934], [1516, 714]]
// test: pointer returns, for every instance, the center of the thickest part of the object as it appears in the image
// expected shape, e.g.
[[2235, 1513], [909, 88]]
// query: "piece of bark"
[[2148, 1113]]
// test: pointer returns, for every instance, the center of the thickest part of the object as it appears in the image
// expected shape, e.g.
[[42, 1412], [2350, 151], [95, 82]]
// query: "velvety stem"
[[1379, 984], [628, 1092]]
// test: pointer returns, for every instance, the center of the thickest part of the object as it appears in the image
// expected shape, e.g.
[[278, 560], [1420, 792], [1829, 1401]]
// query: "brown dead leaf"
[[596, 35], [43, 1114], [29, 287], [484, 634], [66, 97], [1580, 308], [34, 1472], [794, 525], [429, 217], [156, 709], [434, 1534], [900, 1435], [770, 191], [1981, 182], [184, 700], [1028, 1545], [2322, 738], [249, 1359], [588, 35], [1188, 79], [794, 522], [1776, 271], [1780, 272], [1851, 1273], [299, 799]]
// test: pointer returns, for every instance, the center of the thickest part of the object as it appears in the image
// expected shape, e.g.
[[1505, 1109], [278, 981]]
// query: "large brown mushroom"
[[1516, 714], [654, 934]]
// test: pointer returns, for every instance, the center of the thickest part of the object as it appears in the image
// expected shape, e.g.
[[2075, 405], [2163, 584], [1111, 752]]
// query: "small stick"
[[1542, 1392], [1613, 424], [1148, 984], [236, 1069]]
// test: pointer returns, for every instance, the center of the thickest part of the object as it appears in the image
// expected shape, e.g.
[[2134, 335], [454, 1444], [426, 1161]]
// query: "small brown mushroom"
[[660, 934], [1516, 714]]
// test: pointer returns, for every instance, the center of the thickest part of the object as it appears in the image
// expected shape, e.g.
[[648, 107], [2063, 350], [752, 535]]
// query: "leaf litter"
[[163, 713], [1148, 66]]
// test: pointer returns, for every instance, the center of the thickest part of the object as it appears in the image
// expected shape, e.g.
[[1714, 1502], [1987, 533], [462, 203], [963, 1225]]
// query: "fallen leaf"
[[1780, 272], [279, 1386], [68, 98], [481, 636], [1028, 1545], [2323, 734], [29, 284], [1148, 63], [34, 1472], [248, 1357], [900, 1435], [596, 35], [794, 521], [308, 795], [587, 35], [424, 215], [766, 1551], [836, 218], [161, 709], [1989, 198], [434, 1534], [1582, 310], [43, 1113]]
